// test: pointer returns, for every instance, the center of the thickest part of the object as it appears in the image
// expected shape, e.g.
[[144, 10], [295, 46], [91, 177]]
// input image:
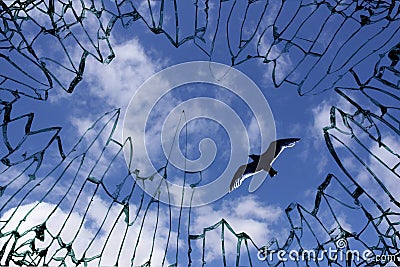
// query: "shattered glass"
[[330, 55]]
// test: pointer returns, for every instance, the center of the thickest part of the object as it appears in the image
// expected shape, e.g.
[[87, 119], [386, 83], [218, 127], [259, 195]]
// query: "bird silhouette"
[[262, 162]]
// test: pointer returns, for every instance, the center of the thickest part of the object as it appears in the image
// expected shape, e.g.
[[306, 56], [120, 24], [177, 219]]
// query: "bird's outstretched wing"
[[261, 162], [264, 162], [238, 178], [288, 142], [281, 144], [254, 157], [242, 173]]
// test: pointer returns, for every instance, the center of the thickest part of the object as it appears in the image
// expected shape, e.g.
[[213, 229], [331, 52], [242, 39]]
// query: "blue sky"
[[139, 55]]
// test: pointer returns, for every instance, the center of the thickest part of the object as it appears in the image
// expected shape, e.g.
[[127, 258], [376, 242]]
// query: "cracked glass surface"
[[350, 35]]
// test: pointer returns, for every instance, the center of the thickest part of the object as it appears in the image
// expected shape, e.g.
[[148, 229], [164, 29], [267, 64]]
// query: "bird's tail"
[[272, 172]]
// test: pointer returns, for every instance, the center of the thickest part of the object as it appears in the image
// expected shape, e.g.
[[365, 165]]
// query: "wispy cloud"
[[384, 174], [117, 82], [244, 214], [280, 63], [321, 118], [112, 86], [88, 240]]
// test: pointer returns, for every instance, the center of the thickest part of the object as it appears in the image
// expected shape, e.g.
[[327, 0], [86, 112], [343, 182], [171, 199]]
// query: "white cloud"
[[244, 214], [87, 240], [386, 176], [97, 211], [253, 132], [273, 51], [74, 37], [321, 115], [283, 64], [321, 118], [112, 86], [116, 82]]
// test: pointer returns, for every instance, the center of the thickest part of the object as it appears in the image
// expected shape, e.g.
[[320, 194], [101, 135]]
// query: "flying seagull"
[[262, 162]]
